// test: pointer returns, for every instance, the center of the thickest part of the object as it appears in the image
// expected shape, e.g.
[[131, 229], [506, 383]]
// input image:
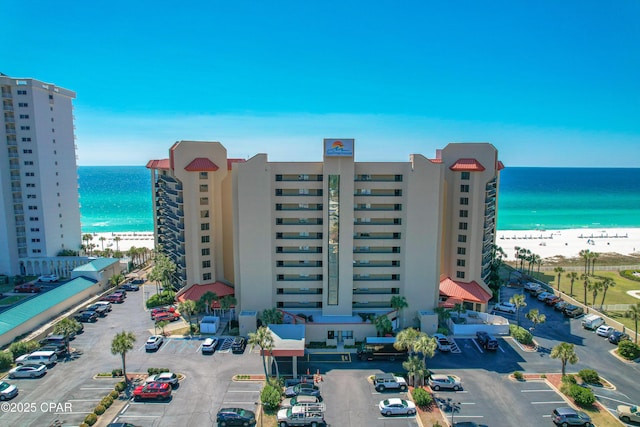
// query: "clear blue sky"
[[549, 83]]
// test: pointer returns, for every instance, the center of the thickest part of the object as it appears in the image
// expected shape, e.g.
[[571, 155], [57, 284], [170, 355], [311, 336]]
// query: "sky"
[[549, 83]]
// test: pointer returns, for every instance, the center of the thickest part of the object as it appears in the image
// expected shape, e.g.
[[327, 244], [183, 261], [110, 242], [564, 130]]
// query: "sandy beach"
[[568, 243], [129, 239]]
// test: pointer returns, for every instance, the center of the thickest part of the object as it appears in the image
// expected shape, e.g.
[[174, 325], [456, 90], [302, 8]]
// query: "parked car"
[[605, 331], [235, 417], [152, 391], [157, 310], [487, 341], [592, 321], [27, 288], [299, 400], [86, 316], [560, 305], [138, 281], [618, 336], [101, 310], [209, 345], [452, 382], [466, 424], [443, 342], [396, 406], [543, 295], [290, 382], [307, 415], [531, 286], [49, 278], [104, 303], [628, 413], [304, 389], [130, 287], [165, 377], [28, 371], [40, 357], [7, 391], [59, 349], [552, 301], [113, 298], [507, 307], [537, 292], [238, 345], [573, 311], [570, 417], [154, 342], [383, 382], [120, 292], [168, 316], [121, 425]]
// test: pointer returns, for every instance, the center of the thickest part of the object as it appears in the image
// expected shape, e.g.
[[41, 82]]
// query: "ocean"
[[118, 198]]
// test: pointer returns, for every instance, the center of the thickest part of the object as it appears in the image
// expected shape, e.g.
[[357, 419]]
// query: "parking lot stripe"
[[532, 391], [234, 402], [615, 400], [96, 388], [85, 400], [548, 402]]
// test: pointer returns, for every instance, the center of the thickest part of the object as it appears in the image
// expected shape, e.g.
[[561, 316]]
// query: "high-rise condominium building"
[[40, 214], [332, 242]]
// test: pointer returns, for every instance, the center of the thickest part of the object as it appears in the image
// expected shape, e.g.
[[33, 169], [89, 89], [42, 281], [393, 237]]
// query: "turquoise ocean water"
[[118, 198]]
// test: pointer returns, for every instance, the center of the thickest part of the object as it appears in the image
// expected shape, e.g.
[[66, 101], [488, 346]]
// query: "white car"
[[7, 391], [629, 413], [507, 307], [453, 382], [209, 345], [50, 278], [531, 286], [154, 342], [443, 342], [397, 406], [605, 331], [544, 295], [165, 377]]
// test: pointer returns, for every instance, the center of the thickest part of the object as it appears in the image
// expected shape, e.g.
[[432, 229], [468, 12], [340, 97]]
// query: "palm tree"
[[406, 340], [594, 256], [115, 280], [585, 254], [634, 314], [459, 308], [263, 339], [558, 270], [188, 307], [102, 239], [595, 287], [161, 324], [117, 240], [536, 317], [572, 276], [226, 302], [132, 254], [208, 298], [426, 346], [519, 301], [566, 353], [398, 303], [67, 327], [586, 283], [607, 283], [444, 314], [87, 238], [121, 344], [383, 325], [415, 368], [272, 316], [517, 255]]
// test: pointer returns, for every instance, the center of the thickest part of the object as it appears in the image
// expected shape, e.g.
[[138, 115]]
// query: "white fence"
[[613, 307]]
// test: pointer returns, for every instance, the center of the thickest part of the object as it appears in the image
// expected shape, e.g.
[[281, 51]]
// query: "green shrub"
[[154, 371], [163, 298], [628, 349], [116, 372], [422, 397], [114, 395], [589, 376], [99, 410], [91, 419], [518, 375], [6, 359], [583, 396], [83, 425], [106, 401], [521, 334], [23, 347], [628, 274], [270, 397], [569, 379], [119, 387]]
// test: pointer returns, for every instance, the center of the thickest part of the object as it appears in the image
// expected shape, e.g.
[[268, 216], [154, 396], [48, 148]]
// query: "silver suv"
[[570, 417], [383, 382]]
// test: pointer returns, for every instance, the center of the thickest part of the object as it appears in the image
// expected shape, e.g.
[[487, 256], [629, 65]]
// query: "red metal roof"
[[195, 291], [467, 165], [230, 162], [500, 165], [158, 164], [201, 164], [470, 291]]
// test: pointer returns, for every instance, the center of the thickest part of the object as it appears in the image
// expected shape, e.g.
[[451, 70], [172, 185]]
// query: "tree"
[[444, 314], [88, 237], [406, 340], [594, 257], [566, 353], [634, 314], [161, 325], [426, 346], [117, 240], [519, 301], [226, 302], [607, 283], [102, 239], [586, 282], [263, 339], [595, 287], [399, 303], [115, 280], [383, 325], [415, 369], [559, 271], [208, 298], [459, 309], [121, 344], [536, 317], [67, 327], [272, 316], [188, 307], [495, 264], [163, 270], [585, 254], [572, 276]]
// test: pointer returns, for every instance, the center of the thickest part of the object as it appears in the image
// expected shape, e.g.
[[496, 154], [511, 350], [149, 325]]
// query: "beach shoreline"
[[127, 240]]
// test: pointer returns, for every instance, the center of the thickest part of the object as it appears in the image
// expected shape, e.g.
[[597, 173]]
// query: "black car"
[[235, 417], [86, 316], [618, 336], [238, 345], [573, 311], [59, 349], [486, 340], [138, 282], [130, 287], [100, 309]]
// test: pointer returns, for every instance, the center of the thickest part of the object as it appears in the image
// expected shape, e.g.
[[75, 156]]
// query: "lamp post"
[[455, 406]]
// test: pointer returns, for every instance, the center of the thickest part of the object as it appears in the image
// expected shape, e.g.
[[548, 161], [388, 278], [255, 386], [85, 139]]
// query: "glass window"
[[204, 175], [334, 238], [460, 274], [204, 226], [204, 188], [462, 251], [464, 213], [465, 176], [462, 226], [460, 263], [204, 239], [205, 251], [464, 188], [464, 200], [462, 238]]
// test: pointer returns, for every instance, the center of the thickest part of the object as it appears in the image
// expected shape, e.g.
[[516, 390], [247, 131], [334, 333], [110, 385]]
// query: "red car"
[[115, 298], [166, 315], [152, 391], [158, 310], [27, 288]]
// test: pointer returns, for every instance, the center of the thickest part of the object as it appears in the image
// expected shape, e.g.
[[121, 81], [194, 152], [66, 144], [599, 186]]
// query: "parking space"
[[186, 345]]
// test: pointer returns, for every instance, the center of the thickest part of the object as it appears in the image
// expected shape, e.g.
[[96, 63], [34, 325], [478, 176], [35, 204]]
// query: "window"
[[27, 151], [459, 274], [31, 185], [462, 226], [204, 226], [331, 335], [35, 230], [205, 251], [464, 200], [29, 174], [204, 214], [23, 104], [25, 127], [465, 176], [204, 239], [26, 139], [204, 201], [24, 116], [31, 196], [33, 208], [462, 251], [35, 240], [206, 276], [36, 251], [464, 213], [28, 163], [206, 264], [204, 175], [204, 188], [464, 188], [22, 92], [462, 238], [33, 218], [460, 262], [347, 335]]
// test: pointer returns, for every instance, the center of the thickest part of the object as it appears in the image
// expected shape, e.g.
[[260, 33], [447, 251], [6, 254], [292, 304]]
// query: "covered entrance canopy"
[[288, 341]]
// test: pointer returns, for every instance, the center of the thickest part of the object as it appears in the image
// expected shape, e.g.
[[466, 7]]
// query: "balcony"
[[376, 291], [298, 221], [383, 236], [298, 250], [303, 235], [299, 206], [298, 263], [375, 277], [299, 177], [377, 221], [378, 178], [389, 192], [377, 249], [377, 207], [299, 291]]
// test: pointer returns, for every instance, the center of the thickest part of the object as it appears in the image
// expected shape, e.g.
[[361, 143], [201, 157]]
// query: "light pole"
[[454, 407]]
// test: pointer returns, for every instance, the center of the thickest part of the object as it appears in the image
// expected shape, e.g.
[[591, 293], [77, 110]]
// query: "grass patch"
[[13, 299]]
